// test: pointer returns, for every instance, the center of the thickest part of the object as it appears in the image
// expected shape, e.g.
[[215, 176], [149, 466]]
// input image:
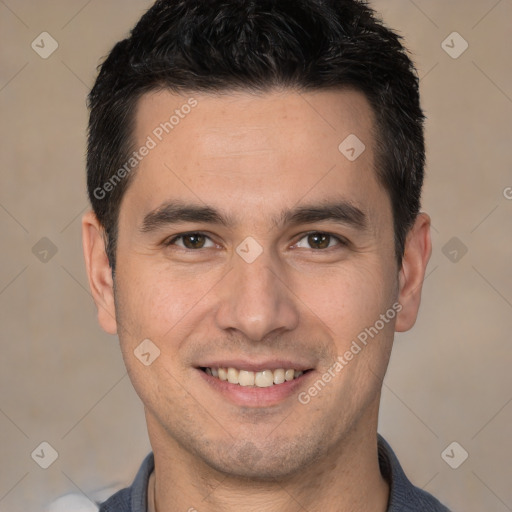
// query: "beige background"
[[62, 379]]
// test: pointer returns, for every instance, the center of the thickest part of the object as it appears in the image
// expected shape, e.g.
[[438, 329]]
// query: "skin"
[[252, 156]]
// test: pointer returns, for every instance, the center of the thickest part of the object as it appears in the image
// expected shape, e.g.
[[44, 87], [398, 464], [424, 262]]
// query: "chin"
[[246, 461]]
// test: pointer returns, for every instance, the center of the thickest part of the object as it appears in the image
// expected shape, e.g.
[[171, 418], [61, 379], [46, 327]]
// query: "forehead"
[[250, 150], [251, 121]]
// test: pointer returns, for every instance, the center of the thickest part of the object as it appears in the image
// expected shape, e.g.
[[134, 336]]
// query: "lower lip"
[[252, 396]]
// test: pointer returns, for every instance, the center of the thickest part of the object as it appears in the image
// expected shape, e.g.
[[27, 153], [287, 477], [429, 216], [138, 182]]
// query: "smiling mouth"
[[259, 379]]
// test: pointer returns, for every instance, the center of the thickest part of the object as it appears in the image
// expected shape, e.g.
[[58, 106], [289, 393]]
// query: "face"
[[249, 240]]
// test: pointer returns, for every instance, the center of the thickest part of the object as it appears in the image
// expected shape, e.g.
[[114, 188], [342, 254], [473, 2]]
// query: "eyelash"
[[341, 241]]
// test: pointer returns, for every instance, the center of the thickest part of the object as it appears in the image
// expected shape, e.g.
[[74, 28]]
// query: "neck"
[[346, 479]]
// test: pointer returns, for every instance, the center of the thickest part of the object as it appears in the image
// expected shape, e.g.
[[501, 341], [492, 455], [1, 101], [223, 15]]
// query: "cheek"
[[350, 302], [155, 301], [349, 298], [160, 306]]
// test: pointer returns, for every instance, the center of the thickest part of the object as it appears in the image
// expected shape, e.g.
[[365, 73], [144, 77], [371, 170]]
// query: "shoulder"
[[118, 502], [403, 496], [133, 498]]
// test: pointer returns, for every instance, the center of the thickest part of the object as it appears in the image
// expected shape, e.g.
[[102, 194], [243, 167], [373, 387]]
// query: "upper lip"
[[255, 366]]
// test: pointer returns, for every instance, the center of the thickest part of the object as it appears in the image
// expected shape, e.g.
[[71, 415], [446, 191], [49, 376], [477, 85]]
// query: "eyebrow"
[[174, 212]]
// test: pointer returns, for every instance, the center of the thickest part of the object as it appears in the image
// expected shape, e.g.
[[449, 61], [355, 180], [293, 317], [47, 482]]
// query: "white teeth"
[[246, 378], [261, 379], [233, 375], [278, 376], [264, 379]]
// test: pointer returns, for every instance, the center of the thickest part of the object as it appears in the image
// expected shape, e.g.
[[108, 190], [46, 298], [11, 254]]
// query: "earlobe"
[[99, 271], [418, 248]]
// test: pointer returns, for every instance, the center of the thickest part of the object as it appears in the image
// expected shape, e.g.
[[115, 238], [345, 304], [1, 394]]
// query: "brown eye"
[[194, 241], [318, 240], [190, 241]]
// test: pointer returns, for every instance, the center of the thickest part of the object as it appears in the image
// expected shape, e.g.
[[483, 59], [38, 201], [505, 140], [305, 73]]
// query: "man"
[[255, 172]]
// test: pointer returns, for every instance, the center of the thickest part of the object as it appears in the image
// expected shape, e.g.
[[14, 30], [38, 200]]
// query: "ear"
[[418, 248], [99, 272]]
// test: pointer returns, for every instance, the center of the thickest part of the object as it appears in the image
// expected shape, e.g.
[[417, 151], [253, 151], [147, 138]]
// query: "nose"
[[255, 299]]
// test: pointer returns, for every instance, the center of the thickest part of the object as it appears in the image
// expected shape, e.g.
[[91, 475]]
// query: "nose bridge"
[[253, 299]]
